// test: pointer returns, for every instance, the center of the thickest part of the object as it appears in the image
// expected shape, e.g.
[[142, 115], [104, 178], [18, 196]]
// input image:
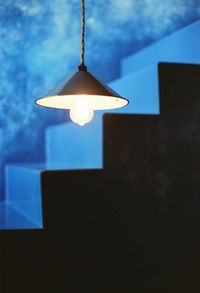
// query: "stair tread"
[[182, 46], [11, 218]]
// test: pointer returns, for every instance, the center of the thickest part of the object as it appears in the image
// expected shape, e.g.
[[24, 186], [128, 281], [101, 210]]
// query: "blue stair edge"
[[141, 88], [12, 219], [1, 163], [23, 191], [182, 46]]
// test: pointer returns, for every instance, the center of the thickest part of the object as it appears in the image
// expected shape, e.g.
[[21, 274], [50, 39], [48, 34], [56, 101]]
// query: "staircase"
[[69, 147]]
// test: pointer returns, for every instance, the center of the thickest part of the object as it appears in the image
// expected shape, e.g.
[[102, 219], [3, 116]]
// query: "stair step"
[[182, 46], [22, 208], [70, 148], [10, 218], [23, 191]]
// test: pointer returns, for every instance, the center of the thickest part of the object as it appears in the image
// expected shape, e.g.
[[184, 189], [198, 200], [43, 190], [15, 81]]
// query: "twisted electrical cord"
[[82, 57]]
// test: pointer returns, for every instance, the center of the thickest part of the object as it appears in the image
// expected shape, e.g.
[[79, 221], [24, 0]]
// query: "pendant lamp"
[[83, 93]]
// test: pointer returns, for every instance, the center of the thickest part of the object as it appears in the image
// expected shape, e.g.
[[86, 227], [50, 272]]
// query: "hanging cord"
[[82, 33], [82, 66]]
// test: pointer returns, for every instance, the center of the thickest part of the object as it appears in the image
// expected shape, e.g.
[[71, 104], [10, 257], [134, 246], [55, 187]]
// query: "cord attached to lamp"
[[83, 93]]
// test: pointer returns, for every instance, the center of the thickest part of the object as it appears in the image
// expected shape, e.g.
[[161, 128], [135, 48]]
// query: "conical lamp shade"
[[82, 84]]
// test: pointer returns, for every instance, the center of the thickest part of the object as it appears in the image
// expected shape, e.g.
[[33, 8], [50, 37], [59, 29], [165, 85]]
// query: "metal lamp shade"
[[83, 83]]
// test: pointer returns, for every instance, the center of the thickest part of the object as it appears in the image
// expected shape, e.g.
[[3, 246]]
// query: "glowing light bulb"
[[81, 112]]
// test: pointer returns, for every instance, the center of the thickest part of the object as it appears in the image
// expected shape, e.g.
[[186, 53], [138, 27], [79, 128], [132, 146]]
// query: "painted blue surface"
[[141, 89], [23, 191], [12, 219], [70, 146], [1, 165], [180, 47]]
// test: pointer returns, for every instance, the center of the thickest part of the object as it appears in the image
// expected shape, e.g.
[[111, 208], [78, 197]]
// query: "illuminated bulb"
[[81, 112]]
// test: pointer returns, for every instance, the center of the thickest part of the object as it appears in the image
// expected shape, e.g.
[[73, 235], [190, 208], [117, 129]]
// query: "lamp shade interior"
[[95, 102]]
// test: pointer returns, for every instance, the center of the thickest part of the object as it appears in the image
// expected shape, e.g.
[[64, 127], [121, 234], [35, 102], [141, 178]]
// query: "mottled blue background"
[[39, 47]]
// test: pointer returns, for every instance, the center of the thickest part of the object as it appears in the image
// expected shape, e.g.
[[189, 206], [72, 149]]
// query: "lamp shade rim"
[[96, 102]]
